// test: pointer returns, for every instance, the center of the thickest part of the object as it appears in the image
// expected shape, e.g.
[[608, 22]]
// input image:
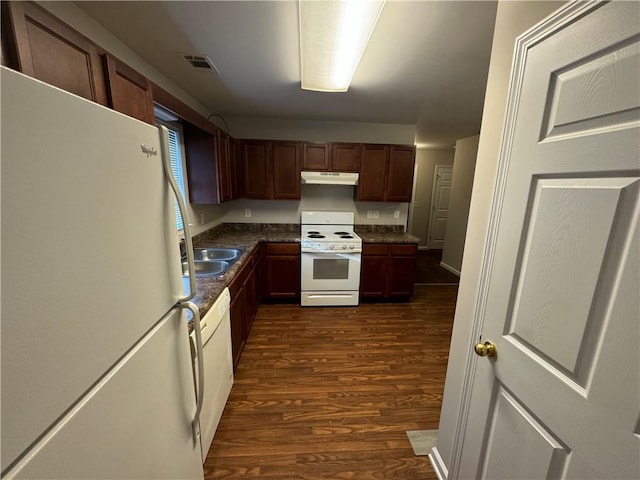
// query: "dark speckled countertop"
[[247, 236]]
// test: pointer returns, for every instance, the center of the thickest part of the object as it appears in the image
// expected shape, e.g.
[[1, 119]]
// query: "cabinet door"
[[250, 307], [373, 271], [345, 157], [41, 46], [224, 166], [402, 270], [400, 174], [282, 270], [373, 173], [237, 313], [260, 274], [283, 276], [237, 169], [202, 171], [257, 169], [286, 170], [315, 156], [129, 92]]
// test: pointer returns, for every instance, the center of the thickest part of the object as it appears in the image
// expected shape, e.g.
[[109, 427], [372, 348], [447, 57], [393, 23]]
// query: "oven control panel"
[[319, 247]]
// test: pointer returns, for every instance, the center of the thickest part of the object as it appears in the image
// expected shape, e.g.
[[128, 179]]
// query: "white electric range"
[[330, 259]]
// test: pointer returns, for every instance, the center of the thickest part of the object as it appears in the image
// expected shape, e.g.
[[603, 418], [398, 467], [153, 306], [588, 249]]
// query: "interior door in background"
[[561, 276], [439, 206]]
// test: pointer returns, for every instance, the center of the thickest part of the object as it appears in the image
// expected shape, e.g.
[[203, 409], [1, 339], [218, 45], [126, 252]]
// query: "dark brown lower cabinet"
[[250, 300], [244, 305], [388, 270], [373, 271], [282, 271], [236, 311]]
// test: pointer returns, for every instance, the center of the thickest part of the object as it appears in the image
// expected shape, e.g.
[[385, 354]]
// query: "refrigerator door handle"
[[195, 423], [164, 137]]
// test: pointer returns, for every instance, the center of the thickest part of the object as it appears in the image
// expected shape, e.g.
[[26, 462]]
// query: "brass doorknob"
[[486, 349]]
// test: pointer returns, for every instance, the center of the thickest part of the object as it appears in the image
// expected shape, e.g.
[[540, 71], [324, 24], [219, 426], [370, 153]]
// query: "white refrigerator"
[[96, 366]]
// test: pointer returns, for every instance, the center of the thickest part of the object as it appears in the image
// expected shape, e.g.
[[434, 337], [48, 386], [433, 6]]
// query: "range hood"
[[329, 178]]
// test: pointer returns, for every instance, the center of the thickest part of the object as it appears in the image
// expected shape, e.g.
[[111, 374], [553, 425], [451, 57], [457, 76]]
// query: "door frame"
[[556, 21], [436, 170]]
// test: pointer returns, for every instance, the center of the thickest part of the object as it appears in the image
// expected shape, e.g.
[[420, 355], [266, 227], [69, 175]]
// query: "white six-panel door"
[[439, 206], [559, 295]]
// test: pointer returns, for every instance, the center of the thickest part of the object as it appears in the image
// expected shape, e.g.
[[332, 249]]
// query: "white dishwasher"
[[218, 367]]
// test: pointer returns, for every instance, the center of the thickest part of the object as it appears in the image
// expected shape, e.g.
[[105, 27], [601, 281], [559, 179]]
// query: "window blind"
[[176, 169]]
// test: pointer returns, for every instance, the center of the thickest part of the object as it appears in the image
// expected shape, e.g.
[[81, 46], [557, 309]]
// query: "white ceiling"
[[426, 62]]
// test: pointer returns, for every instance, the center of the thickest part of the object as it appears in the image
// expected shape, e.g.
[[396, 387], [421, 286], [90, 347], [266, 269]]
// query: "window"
[[175, 155]]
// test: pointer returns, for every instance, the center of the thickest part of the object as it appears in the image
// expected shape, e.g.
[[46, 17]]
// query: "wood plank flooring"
[[428, 269], [328, 393]]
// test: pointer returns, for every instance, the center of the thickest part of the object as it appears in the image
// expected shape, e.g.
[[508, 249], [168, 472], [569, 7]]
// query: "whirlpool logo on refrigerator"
[[149, 151]]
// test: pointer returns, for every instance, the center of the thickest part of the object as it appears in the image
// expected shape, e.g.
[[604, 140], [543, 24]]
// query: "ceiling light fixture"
[[333, 37]]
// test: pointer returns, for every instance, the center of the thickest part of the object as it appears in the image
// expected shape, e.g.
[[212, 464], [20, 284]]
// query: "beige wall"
[[420, 208], [512, 19], [464, 165]]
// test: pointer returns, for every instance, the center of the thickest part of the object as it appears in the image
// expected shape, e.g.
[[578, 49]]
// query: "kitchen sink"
[[212, 254], [212, 262], [209, 268]]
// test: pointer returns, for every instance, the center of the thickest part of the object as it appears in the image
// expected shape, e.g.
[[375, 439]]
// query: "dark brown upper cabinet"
[[129, 92], [400, 173], [203, 173], [373, 173], [286, 170], [224, 166], [331, 157], [386, 173], [316, 156], [272, 169], [212, 166], [237, 168], [39, 45], [256, 156], [345, 157]]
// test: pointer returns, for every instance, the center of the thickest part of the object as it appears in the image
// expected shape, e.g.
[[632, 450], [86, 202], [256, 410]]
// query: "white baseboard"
[[451, 269], [438, 464]]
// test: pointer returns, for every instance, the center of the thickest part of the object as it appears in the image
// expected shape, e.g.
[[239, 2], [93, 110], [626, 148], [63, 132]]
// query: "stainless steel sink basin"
[[211, 254], [211, 262], [211, 268]]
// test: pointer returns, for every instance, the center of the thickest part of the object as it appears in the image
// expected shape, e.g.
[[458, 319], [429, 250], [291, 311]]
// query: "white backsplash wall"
[[316, 197]]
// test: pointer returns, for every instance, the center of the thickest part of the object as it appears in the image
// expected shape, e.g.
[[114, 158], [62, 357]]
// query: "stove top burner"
[[341, 233], [315, 235], [313, 232], [346, 236]]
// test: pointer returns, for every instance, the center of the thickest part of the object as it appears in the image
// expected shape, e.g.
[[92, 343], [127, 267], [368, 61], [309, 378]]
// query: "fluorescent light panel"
[[333, 37]]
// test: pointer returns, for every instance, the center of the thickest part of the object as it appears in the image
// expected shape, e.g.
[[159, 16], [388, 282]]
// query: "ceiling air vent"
[[200, 62]]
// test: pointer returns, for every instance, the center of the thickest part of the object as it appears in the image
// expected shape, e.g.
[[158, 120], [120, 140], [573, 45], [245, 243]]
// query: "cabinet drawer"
[[374, 249], [404, 249], [283, 248]]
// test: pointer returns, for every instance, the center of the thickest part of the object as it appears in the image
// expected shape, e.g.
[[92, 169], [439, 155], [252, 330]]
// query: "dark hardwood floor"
[[328, 393], [428, 269]]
